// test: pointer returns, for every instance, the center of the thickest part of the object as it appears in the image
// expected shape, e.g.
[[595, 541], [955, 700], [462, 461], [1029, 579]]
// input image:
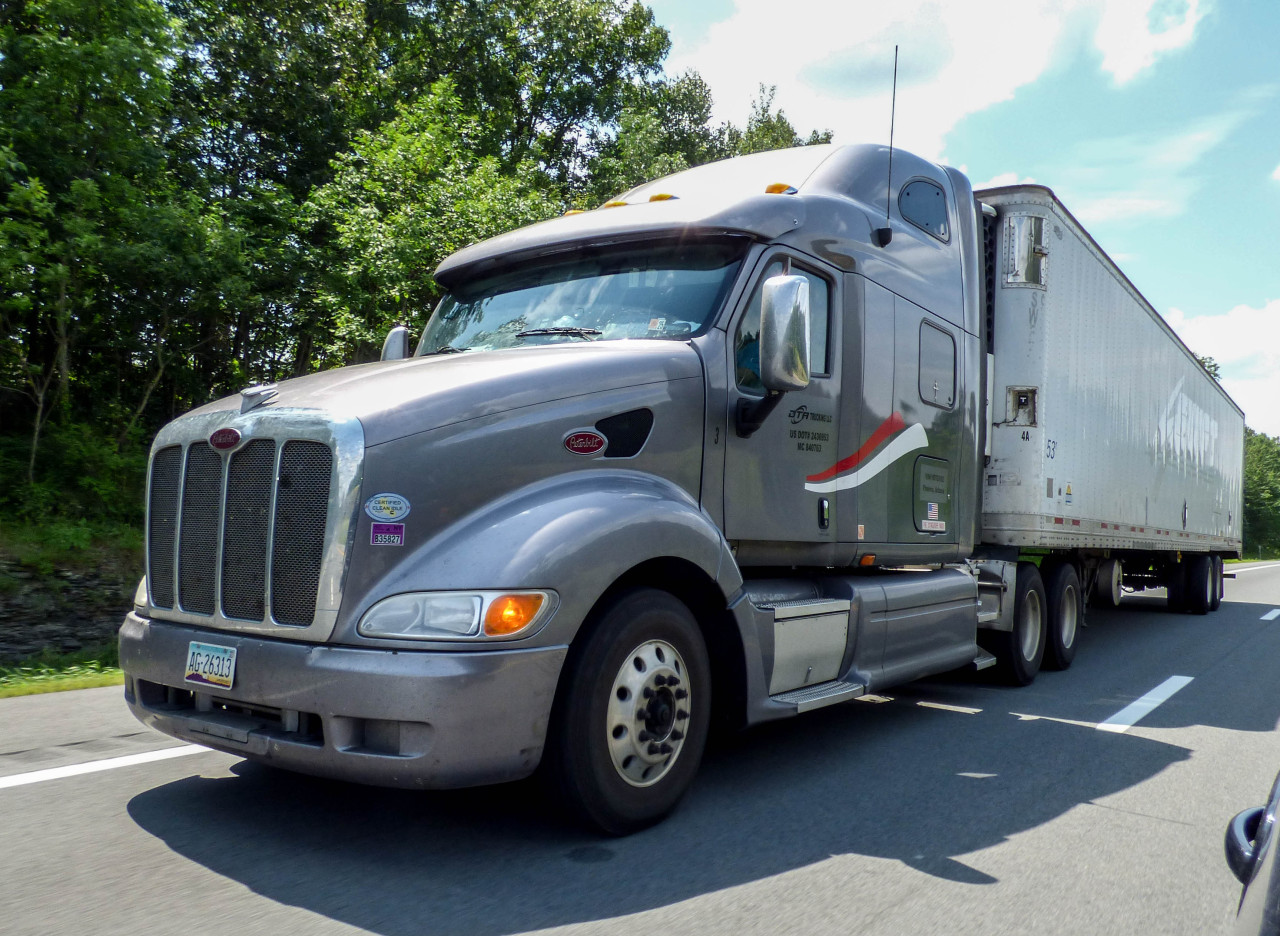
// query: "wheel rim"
[[1030, 625], [1070, 614], [648, 713]]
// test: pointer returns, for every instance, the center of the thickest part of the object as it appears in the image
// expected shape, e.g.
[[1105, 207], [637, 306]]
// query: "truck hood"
[[393, 399]]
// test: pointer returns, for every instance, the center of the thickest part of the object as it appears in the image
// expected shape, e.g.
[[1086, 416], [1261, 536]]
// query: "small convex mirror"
[[784, 333], [396, 347]]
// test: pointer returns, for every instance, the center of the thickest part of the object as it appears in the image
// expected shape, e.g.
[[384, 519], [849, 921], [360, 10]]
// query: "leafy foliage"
[[1261, 493]]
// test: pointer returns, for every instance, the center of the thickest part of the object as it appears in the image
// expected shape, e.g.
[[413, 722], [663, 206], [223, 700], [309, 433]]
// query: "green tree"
[[1261, 492], [768, 129], [405, 197]]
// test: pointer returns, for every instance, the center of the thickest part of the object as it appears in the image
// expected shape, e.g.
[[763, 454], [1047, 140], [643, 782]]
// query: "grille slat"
[[162, 524], [198, 549], [250, 478], [297, 548]]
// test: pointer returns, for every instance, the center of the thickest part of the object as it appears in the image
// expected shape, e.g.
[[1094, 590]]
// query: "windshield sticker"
[[387, 507], [386, 534], [905, 439], [657, 324]]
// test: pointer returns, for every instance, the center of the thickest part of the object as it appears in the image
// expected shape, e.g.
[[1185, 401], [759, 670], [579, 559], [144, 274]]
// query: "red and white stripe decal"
[[908, 439]]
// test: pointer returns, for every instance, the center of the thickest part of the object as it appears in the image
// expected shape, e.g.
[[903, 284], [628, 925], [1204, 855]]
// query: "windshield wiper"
[[449, 349], [584, 333]]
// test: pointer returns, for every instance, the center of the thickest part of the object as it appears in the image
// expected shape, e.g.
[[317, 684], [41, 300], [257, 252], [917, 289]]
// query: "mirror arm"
[[753, 411]]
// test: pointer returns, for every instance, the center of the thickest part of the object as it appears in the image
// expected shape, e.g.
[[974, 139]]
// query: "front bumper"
[[400, 718]]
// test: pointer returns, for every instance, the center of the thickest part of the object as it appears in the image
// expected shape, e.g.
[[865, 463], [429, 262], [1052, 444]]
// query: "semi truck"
[[756, 438]]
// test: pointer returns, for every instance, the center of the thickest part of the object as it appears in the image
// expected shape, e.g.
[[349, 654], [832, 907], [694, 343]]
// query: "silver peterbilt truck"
[[742, 443]]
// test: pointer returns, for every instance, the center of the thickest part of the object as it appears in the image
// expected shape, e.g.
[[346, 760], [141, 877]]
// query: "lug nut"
[[655, 747], [682, 715], [643, 736], [681, 694], [677, 734], [665, 749], [673, 680], [647, 693], [659, 680]]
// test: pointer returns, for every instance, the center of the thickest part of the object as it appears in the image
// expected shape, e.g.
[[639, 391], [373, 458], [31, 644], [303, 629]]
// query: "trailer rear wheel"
[[1062, 593], [1021, 650], [1106, 591], [631, 726], [1217, 584], [1200, 585]]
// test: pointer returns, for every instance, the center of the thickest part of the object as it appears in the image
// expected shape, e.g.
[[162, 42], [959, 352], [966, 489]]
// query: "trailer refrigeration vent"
[[626, 432]]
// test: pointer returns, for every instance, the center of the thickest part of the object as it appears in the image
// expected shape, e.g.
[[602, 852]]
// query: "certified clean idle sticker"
[[387, 507], [386, 534]]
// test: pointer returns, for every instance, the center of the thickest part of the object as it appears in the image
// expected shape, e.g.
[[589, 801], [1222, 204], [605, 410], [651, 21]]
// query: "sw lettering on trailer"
[[850, 472]]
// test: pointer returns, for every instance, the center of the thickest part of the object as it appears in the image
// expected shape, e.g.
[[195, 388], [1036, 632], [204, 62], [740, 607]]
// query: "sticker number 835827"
[[386, 534]]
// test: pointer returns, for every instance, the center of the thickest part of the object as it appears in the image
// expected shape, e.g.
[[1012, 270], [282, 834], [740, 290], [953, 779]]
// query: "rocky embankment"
[[61, 611]]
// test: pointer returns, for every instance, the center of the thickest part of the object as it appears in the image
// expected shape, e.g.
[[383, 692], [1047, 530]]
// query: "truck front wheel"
[[632, 722], [1021, 650]]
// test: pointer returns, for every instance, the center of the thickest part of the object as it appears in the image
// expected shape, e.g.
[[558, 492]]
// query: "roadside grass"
[[50, 671]]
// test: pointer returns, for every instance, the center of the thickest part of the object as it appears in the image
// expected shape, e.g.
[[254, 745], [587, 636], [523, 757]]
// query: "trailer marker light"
[[614, 204], [663, 196], [573, 211], [780, 188], [868, 560], [510, 613]]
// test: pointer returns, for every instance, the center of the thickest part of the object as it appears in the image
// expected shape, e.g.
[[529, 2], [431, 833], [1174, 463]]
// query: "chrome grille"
[[298, 545], [245, 529], [198, 537], [162, 523], [246, 540]]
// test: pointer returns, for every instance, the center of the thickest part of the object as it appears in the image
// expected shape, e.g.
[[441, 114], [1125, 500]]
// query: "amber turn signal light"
[[508, 614]]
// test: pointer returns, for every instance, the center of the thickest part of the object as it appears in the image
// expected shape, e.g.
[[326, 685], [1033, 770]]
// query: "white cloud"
[[1143, 176], [832, 60], [1131, 34], [1003, 179], [1276, 174], [1245, 341]]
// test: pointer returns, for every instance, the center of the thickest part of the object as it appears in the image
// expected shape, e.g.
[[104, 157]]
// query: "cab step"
[[827, 693], [983, 660]]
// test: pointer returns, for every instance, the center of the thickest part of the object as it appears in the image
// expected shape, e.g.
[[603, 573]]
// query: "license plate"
[[211, 665]]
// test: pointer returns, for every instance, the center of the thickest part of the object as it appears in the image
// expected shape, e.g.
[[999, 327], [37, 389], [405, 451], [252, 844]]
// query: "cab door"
[[770, 517]]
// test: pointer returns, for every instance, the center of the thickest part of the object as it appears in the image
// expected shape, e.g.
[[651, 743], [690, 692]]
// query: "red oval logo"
[[585, 443], [225, 438]]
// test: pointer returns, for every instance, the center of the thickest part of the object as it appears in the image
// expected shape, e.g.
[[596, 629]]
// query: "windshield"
[[664, 291]]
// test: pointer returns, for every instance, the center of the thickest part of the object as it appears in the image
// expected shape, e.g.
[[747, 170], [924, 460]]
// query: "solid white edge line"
[[1135, 711], [1271, 615], [111, 763], [1254, 568]]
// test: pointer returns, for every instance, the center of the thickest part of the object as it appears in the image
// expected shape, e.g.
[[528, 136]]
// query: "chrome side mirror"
[[396, 347], [784, 333]]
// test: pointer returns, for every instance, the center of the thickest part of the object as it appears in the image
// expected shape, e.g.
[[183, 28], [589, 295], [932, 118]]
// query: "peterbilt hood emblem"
[[256, 396], [585, 442], [225, 438]]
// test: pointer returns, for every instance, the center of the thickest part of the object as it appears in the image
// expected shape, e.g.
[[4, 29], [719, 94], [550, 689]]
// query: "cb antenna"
[[885, 234]]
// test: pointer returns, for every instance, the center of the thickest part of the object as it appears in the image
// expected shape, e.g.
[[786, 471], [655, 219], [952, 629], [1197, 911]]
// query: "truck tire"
[[1217, 584], [1175, 586], [1200, 585], [629, 730], [1062, 594], [1021, 650], [1106, 591]]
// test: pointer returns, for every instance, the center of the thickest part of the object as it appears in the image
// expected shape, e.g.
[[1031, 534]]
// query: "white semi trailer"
[[745, 442]]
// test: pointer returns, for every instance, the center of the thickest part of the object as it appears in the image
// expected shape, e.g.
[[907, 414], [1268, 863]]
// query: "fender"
[[576, 532]]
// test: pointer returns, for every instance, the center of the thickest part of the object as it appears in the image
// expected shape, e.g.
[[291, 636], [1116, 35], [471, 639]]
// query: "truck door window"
[[937, 366], [746, 343], [925, 205]]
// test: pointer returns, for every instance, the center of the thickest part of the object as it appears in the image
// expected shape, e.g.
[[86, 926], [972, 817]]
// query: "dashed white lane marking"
[[111, 763], [962, 709], [1271, 615], [1134, 712]]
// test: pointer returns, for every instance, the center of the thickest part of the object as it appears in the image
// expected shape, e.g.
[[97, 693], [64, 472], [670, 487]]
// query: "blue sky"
[[1157, 122]]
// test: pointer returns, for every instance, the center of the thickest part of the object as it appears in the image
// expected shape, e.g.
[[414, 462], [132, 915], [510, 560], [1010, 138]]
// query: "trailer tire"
[[1107, 588], [1176, 586], [1062, 593], [639, 683], [1021, 650], [1217, 584], [1200, 584]]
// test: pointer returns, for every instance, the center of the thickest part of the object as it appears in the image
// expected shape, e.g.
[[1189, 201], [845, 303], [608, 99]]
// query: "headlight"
[[140, 597], [457, 615]]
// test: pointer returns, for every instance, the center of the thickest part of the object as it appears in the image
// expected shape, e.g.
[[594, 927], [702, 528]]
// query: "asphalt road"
[[954, 807]]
